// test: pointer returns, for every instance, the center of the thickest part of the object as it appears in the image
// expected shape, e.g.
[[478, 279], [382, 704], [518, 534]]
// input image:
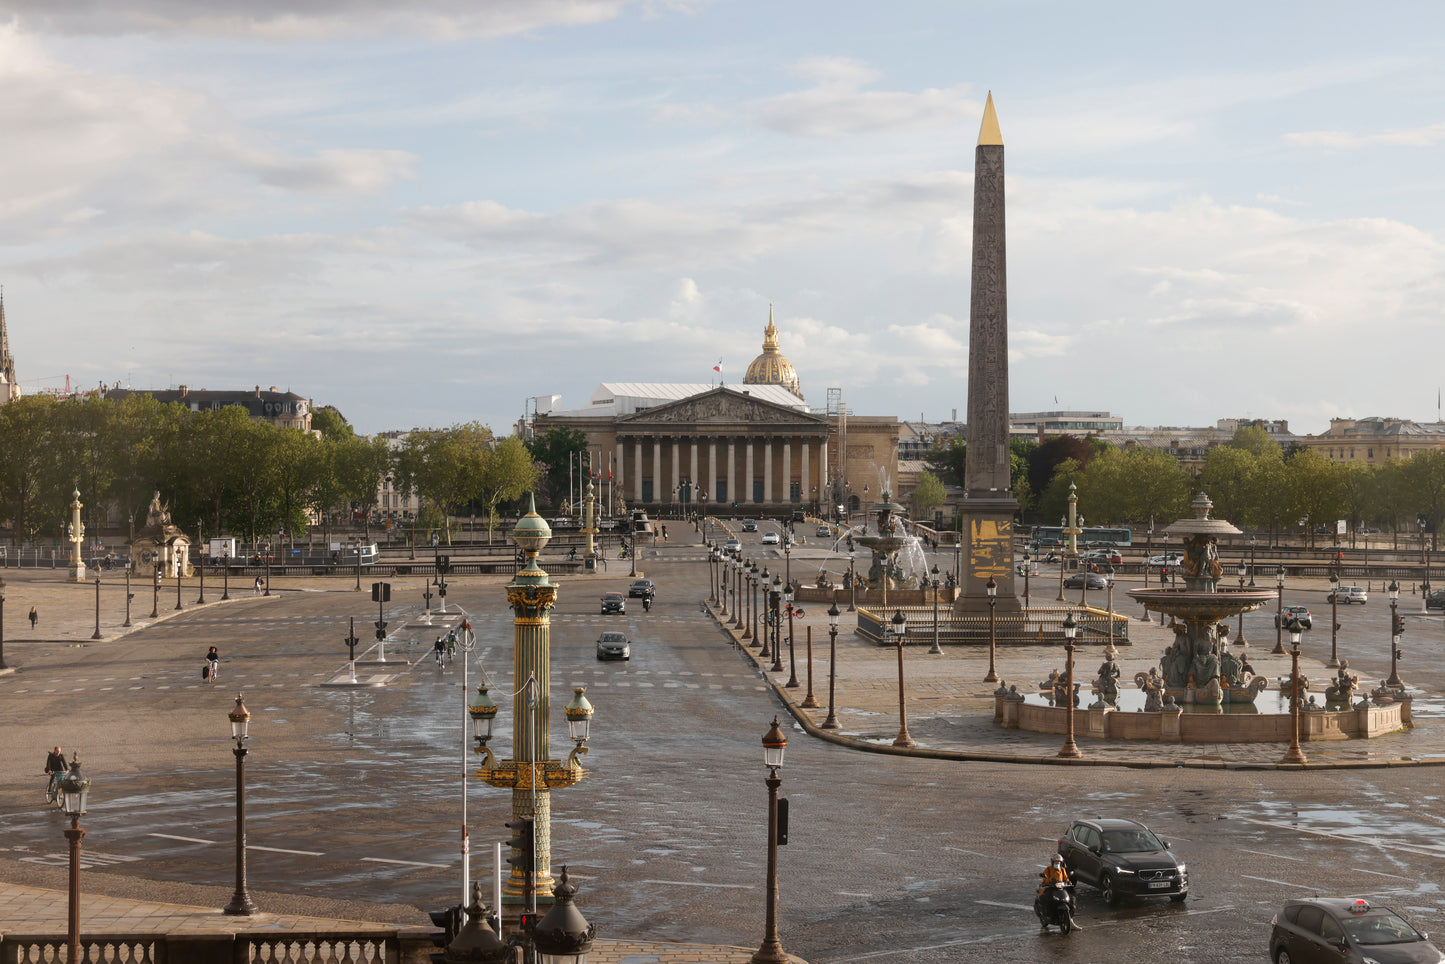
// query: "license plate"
[[1158, 883]]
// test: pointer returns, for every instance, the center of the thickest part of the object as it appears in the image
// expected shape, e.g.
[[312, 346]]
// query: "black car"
[[1345, 929], [641, 589], [1436, 600], [1299, 612], [1122, 858], [1076, 581], [613, 602], [613, 645], [750, 525]]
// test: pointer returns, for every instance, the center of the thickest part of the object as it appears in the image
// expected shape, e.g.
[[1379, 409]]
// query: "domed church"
[[771, 367]]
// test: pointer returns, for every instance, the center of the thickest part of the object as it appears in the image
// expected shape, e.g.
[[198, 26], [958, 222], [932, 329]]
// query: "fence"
[[1037, 626], [335, 947]]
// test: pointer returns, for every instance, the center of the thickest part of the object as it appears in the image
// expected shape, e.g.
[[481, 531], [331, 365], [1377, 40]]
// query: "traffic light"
[[782, 821], [381, 592], [1397, 624], [523, 843]]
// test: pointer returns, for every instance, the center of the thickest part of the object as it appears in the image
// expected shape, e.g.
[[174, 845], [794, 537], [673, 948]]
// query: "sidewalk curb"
[[967, 756]]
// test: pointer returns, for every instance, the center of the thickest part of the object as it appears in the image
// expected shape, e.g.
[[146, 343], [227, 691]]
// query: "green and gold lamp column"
[[532, 774]]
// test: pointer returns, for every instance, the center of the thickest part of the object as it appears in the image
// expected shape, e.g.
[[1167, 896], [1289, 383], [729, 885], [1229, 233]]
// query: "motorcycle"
[[1056, 906]]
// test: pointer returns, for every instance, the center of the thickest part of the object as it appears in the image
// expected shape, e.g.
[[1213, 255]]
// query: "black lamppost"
[[778, 590], [760, 635], [831, 723], [128, 596], [1278, 613], [1239, 635], [852, 583], [750, 624], [201, 564], [738, 566], [96, 634], [1251, 561], [180, 571], [774, 745], [712, 574], [240, 905], [225, 574], [2, 625], [792, 682], [268, 568], [1069, 750], [1028, 570], [899, 628], [73, 791], [935, 650], [1294, 754], [156, 592], [991, 588], [1334, 613], [810, 702], [1397, 626]]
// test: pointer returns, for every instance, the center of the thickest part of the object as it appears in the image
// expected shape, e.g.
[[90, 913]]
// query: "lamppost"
[[1278, 613], [200, 567], [792, 682], [1251, 561], [1294, 754], [2, 625], [156, 591], [1397, 626], [1334, 614], [73, 791], [750, 624], [96, 634], [935, 650], [268, 568], [852, 583], [240, 905], [128, 596], [1028, 569], [783, 594], [1109, 580], [711, 573], [899, 628], [991, 588], [225, 574], [738, 565], [1239, 639], [760, 636], [1063, 556], [563, 935], [774, 745], [1425, 583], [810, 702], [1069, 750], [831, 723], [180, 571], [532, 775]]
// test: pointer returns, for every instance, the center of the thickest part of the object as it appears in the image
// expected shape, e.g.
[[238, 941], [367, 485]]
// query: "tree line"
[[223, 472], [1253, 481]]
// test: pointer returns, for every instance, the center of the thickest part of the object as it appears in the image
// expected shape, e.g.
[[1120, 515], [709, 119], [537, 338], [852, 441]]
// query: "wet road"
[[890, 859]]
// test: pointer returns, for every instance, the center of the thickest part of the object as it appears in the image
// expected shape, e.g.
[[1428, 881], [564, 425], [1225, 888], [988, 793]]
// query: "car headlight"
[[1183, 870], [1124, 871]]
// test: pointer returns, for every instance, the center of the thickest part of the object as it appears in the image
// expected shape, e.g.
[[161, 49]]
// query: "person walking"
[[33, 619]]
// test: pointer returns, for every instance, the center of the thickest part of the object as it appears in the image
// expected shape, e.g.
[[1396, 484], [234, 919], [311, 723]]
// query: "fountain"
[[886, 571], [1198, 668]]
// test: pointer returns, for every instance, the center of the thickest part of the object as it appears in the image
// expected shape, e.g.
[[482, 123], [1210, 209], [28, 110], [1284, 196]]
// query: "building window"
[[1369, 453]]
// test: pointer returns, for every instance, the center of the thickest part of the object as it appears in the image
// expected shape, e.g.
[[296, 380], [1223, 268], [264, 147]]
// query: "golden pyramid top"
[[989, 133]]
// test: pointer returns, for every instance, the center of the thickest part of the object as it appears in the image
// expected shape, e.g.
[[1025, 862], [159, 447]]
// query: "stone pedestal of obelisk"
[[989, 505]]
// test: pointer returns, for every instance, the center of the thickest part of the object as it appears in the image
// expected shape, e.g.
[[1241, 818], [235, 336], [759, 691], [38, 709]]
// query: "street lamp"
[[1294, 754], [180, 571], [73, 791], [935, 650], [1251, 561], [760, 636], [831, 723], [738, 567], [2, 625], [1239, 635], [1334, 613], [240, 905], [1278, 613], [156, 591], [1069, 750], [852, 582], [1397, 626], [775, 743], [899, 628], [1028, 569], [129, 596], [225, 574], [778, 589], [563, 935], [96, 634], [792, 682], [750, 624], [991, 588], [476, 942], [200, 566]]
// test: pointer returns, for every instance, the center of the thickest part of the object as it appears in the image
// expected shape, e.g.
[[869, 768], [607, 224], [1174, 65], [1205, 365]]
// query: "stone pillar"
[[748, 471], [692, 469], [788, 472], [732, 471], [657, 480], [768, 494], [637, 470], [617, 481], [676, 471], [712, 470], [806, 483], [822, 462]]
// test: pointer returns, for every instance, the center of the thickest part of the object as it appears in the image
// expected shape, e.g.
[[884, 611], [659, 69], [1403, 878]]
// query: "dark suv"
[[1344, 929], [1122, 858]]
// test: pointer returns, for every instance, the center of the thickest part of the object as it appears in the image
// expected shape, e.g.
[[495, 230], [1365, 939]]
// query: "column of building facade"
[[767, 470], [805, 474], [692, 468], [637, 470], [822, 463], [732, 472], [618, 480], [750, 493], [656, 469], [712, 470]]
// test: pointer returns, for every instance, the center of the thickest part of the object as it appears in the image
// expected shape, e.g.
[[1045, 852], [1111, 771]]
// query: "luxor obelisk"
[[989, 505]]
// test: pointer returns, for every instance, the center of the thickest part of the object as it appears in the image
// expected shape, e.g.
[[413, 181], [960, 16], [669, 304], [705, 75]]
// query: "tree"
[[1048, 455], [445, 466], [557, 452], [507, 472], [1225, 477], [947, 459], [928, 492], [27, 436], [329, 422], [1316, 486], [1254, 440]]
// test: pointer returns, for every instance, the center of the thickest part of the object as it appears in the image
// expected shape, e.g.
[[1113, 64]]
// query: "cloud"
[[837, 105], [312, 19], [1426, 136]]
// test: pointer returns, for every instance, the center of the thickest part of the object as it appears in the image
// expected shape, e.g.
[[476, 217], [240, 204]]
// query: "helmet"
[[1058, 859]]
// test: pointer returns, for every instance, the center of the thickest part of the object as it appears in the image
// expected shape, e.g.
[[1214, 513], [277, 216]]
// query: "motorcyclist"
[[1055, 873]]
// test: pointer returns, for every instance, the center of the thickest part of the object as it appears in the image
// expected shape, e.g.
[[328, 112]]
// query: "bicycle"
[[52, 788]]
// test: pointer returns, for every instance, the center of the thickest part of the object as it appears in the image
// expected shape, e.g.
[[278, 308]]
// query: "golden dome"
[[771, 368]]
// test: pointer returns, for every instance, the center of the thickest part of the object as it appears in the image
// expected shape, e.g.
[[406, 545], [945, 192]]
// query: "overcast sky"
[[425, 213]]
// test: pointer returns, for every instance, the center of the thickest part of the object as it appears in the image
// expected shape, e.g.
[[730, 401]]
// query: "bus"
[[1052, 537]]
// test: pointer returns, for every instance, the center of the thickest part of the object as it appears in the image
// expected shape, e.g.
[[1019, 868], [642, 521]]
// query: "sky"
[[428, 213]]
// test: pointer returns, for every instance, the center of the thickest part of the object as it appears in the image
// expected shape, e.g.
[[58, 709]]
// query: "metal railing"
[[1037, 626]]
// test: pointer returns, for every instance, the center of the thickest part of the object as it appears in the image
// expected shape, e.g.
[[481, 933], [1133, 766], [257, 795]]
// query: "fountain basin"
[[1223, 603]]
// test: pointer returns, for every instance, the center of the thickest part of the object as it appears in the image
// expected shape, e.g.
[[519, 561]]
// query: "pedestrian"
[[33, 618], [664, 533], [257, 590]]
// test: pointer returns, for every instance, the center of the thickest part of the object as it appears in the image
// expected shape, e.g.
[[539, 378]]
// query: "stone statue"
[[158, 514], [1153, 686], [1231, 669], [1342, 690], [1106, 684]]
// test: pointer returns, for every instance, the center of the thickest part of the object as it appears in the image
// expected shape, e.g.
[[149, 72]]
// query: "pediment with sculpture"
[[725, 406]]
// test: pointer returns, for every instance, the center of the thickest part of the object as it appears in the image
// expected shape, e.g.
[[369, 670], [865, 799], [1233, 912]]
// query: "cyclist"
[[439, 650], [213, 664], [55, 766], [451, 645]]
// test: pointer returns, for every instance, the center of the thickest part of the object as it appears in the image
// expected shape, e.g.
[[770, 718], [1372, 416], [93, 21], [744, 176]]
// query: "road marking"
[[171, 836], [279, 850], [1264, 853], [1284, 883], [999, 903], [408, 863], [1379, 873], [698, 883], [1337, 835]]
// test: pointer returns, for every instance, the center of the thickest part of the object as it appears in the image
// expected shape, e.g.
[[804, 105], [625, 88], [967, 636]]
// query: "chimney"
[[184, 391], [272, 389]]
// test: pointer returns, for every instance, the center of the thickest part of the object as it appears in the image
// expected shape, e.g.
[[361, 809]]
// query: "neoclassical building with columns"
[[752, 448]]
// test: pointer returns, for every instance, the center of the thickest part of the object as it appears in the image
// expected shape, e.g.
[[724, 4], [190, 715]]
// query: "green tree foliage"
[[444, 466], [507, 472], [947, 459], [1255, 441], [558, 452], [329, 422], [927, 494], [1045, 458]]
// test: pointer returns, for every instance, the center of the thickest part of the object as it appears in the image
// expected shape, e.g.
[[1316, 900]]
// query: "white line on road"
[[279, 850], [171, 836], [696, 883], [408, 863], [1265, 853], [999, 903], [1379, 873], [1338, 835], [1283, 883]]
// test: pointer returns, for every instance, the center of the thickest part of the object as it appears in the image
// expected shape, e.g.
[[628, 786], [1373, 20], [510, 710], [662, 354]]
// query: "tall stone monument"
[[989, 505]]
